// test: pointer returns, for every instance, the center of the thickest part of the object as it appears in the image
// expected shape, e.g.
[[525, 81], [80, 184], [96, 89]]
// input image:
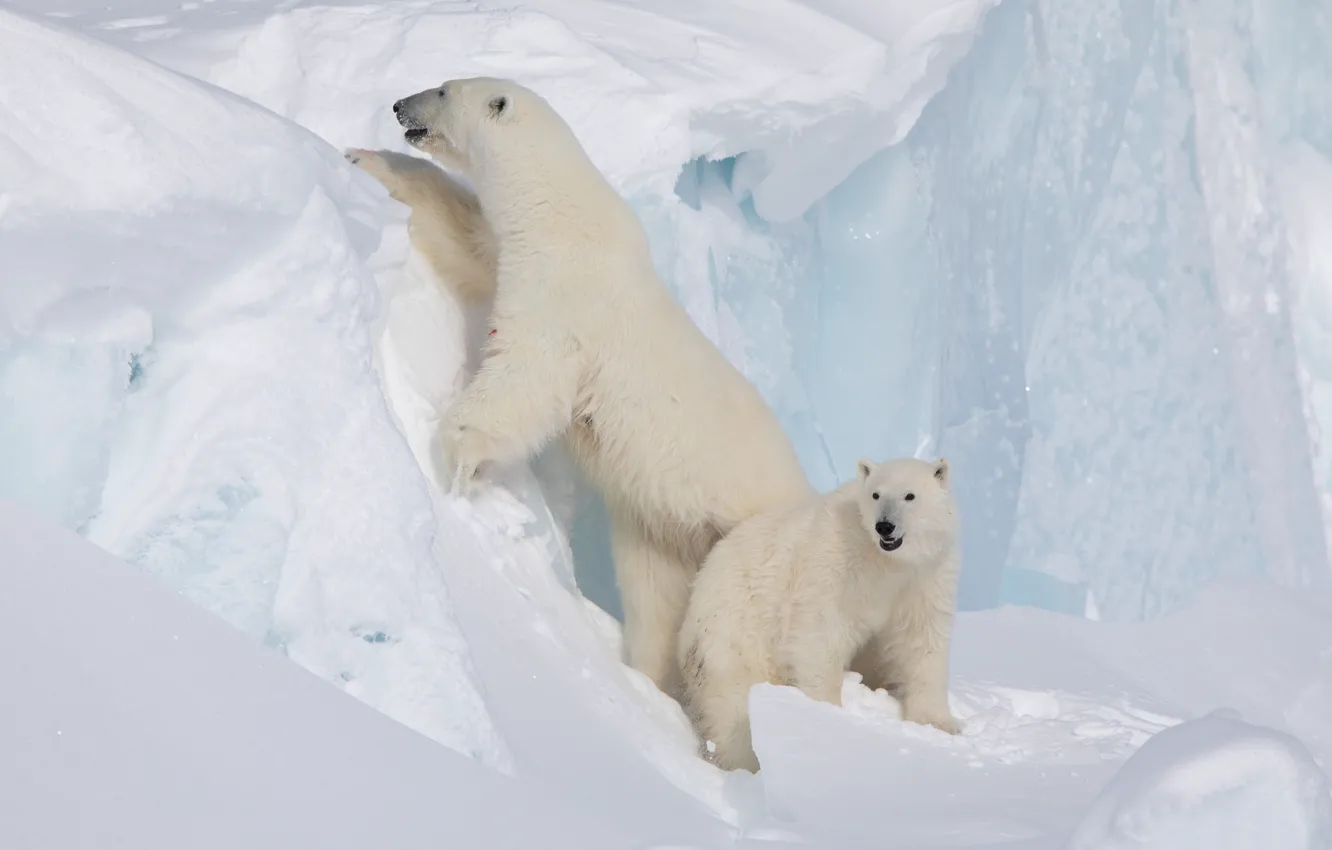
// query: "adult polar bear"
[[588, 343]]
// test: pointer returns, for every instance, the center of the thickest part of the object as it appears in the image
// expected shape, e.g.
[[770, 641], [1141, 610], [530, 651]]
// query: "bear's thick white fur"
[[446, 224], [791, 596], [588, 343]]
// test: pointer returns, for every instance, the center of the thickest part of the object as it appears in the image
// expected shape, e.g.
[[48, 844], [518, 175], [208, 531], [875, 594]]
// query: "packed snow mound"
[[186, 355], [1052, 706], [1216, 783], [139, 720]]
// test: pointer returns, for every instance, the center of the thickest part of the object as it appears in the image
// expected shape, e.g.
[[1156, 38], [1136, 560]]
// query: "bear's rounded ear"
[[941, 471], [863, 469], [498, 105]]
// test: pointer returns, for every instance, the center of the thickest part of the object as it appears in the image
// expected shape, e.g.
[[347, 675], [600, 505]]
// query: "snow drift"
[[139, 720], [186, 339]]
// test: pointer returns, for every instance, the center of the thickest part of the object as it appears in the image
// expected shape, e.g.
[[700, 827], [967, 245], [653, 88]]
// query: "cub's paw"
[[941, 719]]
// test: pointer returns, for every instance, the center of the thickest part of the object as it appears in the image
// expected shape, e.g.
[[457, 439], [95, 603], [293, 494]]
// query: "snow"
[[1052, 707], [136, 719], [1215, 782], [207, 353], [221, 364]]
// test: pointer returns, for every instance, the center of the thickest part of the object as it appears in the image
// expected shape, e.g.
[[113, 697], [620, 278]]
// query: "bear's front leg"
[[521, 397], [916, 644], [811, 663], [378, 167], [925, 695], [823, 684]]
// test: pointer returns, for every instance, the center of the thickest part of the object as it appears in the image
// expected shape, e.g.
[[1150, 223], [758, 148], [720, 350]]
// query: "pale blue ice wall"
[[1100, 189], [1059, 283], [1069, 280]]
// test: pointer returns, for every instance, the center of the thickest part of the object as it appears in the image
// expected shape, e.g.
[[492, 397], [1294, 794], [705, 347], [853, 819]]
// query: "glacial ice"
[[1076, 275]]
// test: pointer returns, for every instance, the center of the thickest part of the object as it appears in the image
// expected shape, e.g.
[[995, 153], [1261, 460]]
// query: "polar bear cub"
[[791, 596], [588, 344]]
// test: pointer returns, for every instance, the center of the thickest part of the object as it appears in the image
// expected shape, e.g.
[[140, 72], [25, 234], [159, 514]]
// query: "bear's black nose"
[[884, 528], [397, 107]]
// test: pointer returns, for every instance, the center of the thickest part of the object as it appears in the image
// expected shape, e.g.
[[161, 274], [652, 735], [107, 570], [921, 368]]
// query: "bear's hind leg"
[[654, 591], [733, 746], [719, 709]]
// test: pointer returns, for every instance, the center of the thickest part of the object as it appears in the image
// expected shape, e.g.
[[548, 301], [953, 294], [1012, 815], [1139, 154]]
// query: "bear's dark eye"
[[874, 496], [498, 105], [910, 496]]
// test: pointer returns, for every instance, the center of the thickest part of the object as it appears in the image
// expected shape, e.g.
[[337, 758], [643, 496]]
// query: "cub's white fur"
[[791, 596]]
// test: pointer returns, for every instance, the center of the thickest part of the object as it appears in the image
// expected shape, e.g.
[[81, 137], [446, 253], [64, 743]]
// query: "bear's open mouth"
[[888, 544], [415, 129]]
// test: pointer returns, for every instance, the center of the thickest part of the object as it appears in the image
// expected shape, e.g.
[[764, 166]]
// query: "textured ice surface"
[[1077, 278]]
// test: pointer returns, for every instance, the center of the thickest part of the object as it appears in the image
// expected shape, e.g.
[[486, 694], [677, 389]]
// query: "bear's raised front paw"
[[370, 162]]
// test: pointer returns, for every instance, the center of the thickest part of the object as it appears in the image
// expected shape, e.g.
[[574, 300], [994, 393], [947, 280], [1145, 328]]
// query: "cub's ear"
[[941, 471], [863, 469]]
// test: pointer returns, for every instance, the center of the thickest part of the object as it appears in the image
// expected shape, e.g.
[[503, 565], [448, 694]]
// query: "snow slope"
[[192, 387], [1053, 705], [246, 748], [230, 383], [135, 719]]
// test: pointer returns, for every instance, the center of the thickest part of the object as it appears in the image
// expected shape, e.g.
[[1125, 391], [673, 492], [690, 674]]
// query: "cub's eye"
[[874, 496], [910, 496]]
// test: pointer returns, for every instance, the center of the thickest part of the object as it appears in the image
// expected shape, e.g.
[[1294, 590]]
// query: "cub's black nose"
[[397, 107], [884, 528]]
